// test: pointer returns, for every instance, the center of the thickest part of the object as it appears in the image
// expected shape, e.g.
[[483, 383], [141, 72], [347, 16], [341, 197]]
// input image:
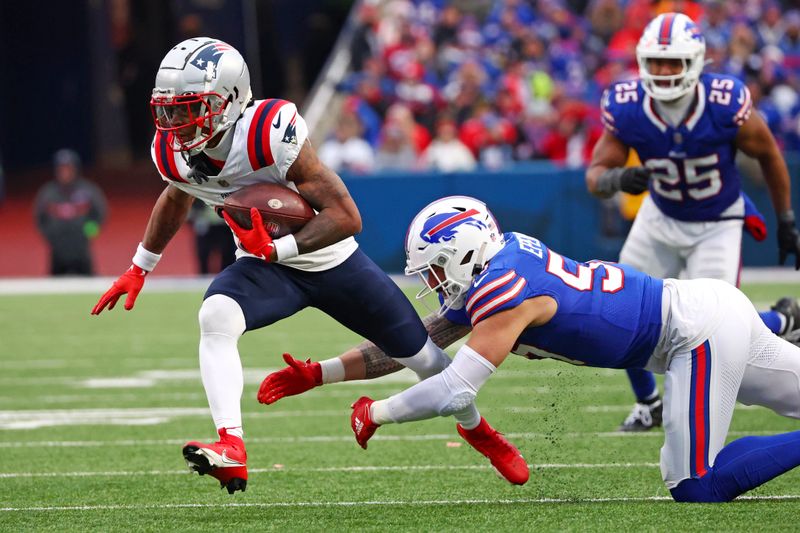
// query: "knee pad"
[[429, 361], [221, 314]]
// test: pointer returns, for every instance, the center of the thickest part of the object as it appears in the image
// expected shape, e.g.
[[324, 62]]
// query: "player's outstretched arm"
[[169, 213], [456, 386], [365, 361], [607, 173], [755, 139], [338, 216]]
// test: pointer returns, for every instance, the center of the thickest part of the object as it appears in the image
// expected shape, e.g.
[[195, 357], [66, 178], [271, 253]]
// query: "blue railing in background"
[[540, 199]]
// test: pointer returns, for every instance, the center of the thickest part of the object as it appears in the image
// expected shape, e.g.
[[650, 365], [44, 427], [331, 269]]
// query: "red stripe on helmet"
[[665, 34], [452, 220]]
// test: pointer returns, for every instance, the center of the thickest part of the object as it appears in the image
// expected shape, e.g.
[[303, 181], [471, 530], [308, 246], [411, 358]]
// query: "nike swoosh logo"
[[228, 461], [277, 123], [478, 281]]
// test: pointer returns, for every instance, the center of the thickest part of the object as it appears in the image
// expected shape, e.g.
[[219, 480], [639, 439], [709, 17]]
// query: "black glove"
[[633, 180], [788, 239]]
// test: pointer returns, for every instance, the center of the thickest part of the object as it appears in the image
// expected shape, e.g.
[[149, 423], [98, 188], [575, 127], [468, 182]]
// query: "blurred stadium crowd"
[[445, 85]]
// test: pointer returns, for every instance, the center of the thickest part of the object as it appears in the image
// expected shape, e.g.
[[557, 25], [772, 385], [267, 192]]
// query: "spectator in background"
[[347, 151], [212, 238], [364, 43], [446, 153], [573, 139], [400, 115], [69, 211], [422, 98], [490, 137], [606, 18], [790, 43], [770, 28], [396, 151]]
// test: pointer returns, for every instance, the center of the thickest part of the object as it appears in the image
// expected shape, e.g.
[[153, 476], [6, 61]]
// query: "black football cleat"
[[643, 417]]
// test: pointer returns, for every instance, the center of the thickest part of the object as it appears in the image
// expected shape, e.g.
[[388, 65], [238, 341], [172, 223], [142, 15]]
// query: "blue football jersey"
[[609, 315], [695, 177]]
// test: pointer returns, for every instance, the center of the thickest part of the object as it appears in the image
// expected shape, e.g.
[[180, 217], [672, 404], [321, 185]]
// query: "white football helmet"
[[458, 234], [202, 88], [671, 36]]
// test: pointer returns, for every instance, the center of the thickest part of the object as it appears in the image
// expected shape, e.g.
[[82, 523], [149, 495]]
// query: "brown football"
[[282, 210]]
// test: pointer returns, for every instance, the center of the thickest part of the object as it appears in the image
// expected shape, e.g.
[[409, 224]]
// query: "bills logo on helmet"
[[208, 57], [694, 31], [442, 227]]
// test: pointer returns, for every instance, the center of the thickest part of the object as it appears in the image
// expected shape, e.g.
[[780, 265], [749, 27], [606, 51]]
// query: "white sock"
[[236, 432], [221, 324]]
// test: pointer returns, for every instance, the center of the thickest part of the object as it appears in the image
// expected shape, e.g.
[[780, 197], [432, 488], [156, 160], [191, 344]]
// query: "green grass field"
[[94, 410]]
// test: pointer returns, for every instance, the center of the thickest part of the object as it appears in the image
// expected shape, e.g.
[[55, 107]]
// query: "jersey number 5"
[[700, 184], [583, 280]]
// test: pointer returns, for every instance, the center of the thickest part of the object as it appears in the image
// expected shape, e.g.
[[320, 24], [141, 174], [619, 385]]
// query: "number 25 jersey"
[[695, 176]]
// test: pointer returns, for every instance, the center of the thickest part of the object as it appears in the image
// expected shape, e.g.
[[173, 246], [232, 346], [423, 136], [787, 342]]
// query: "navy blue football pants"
[[357, 294]]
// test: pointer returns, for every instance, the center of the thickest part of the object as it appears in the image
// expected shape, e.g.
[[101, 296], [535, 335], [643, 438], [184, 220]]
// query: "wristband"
[[145, 259], [286, 247], [786, 216], [332, 370]]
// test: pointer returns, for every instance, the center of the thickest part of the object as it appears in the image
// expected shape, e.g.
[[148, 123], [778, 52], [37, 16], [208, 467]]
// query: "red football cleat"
[[225, 460], [504, 456], [360, 421]]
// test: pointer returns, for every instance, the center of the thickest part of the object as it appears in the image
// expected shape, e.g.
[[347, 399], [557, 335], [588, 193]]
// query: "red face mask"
[[189, 117]]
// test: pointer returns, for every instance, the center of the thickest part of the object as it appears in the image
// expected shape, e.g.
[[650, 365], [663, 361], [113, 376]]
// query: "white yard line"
[[369, 503], [40, 418], [577, 435], [351, 469], [78, 285]]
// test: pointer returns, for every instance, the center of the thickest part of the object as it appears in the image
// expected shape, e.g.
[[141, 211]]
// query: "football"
[[282, 210]]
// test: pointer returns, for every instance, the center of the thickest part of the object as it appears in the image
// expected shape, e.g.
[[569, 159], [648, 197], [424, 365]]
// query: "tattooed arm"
[[338, 216], [367, 361]]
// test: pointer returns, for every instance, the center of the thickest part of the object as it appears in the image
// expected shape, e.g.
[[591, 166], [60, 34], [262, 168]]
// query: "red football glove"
[[297, 378], [255, 241], [129, 283]]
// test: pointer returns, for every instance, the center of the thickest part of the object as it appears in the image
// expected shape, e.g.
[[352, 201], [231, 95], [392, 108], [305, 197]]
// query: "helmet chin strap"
[[477, 266]]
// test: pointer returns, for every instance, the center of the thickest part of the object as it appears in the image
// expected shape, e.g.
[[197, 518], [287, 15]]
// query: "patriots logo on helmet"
[[442, 227], [210, 54]]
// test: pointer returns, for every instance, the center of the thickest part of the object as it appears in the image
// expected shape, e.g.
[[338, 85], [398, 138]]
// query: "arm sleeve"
[[450, 391]]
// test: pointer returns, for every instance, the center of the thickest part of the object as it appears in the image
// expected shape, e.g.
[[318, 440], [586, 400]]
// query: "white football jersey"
[[266, 141]]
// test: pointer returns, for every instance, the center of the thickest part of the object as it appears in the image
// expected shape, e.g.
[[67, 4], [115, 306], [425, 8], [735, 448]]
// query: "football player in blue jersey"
[[211, 140], [521, 297], [686, 126]]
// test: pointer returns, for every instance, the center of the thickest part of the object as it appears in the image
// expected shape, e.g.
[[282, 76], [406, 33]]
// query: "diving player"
[[212, 139], [686, 126], [522, 297]]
